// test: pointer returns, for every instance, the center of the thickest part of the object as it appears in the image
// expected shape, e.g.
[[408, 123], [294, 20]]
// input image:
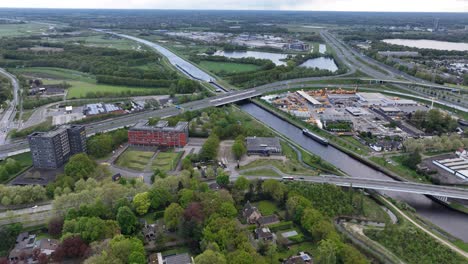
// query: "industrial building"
[[100, 109], [161, 134], [455, 166], [263, 146], [51, 150]]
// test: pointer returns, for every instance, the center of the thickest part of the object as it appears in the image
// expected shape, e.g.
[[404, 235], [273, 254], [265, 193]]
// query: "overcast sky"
[[316, 5]]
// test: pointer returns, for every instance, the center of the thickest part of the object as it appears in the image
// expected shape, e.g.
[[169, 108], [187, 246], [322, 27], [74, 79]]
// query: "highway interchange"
[[344, 54]]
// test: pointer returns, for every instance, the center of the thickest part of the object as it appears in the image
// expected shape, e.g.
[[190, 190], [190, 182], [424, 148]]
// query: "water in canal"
[[451, 221]]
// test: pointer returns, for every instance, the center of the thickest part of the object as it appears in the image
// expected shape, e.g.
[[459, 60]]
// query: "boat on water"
[[315, 137]]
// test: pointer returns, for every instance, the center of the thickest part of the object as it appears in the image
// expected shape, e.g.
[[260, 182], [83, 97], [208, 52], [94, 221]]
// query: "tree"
[[223, 179], [275, 189], [159, 197], [128, 250], [8, 236], [186, 196], [327, 251], [412, 160], [100, 145], [222, 231], [71, 247], [127, 220], [210, 257], [209, 150], [91, 228], [238, 148], [242, 257], [241, 183], [350, 255], [295, 206], [228, 210], [55, 226], [142, 203], [80, 166], [172, 216]]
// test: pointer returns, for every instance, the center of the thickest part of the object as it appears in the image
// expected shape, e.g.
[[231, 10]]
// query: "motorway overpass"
[[372, 184]]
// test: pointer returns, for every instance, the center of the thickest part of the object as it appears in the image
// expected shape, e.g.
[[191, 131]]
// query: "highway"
[[8, 116], [230, 97], [355, 60], [373, 184]]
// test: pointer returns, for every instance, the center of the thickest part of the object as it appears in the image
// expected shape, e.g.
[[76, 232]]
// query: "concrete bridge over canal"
[[441, 192]]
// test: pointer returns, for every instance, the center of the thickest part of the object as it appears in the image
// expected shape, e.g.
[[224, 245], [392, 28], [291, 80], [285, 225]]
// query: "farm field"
[[228, 67], [102, 41], [134, 159], [166, 161], [15, 30], [82, 84]]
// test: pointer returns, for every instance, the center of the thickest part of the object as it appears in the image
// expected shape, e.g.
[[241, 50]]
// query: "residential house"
[[264, 233], [301, 258], [251, 213], [268, 220]]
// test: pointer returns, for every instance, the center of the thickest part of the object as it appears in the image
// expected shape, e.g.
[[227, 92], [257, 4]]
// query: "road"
[[8, 116], [373, 184], [230, 97], [378, 70]]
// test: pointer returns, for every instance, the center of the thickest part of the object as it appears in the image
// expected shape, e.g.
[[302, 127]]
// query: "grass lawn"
[[14, 30], [81, 89], [166, 161], [288, 167], [134, 159], [24, 159], [397, 167], [267, 207], [261, 172], [308, 247], [228, 67]]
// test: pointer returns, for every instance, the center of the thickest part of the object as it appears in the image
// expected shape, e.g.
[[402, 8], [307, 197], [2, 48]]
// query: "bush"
[[281, 226]]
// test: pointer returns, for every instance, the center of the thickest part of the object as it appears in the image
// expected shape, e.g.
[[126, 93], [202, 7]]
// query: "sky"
[[304, 5]]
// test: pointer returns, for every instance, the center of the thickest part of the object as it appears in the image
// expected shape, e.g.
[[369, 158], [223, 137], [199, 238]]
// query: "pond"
[[322, 63], [276, 58], [428, 44]]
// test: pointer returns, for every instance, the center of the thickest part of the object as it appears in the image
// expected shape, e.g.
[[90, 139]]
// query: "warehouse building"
[[51, 150], [161, 134], [263, 146]]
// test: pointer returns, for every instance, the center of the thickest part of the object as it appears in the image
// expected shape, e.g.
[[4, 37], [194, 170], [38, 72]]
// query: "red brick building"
[[160, 134]]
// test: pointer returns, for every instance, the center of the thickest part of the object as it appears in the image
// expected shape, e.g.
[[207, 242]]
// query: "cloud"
[[318, 5]]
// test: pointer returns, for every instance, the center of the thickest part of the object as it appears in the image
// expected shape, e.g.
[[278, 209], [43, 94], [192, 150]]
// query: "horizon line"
[[245, 10]]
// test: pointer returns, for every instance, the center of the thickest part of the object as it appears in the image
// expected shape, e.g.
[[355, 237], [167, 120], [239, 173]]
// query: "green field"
[[102, 41], [267, 207], [15, 30], [166, 161], [134, 159], [56, 73], [228, 67], [83, 83]]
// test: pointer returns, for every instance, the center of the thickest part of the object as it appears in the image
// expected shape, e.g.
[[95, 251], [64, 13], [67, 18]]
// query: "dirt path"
[[444, 242]]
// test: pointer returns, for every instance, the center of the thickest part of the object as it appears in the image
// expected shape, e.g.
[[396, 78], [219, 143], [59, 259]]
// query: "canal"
[[451, 221]]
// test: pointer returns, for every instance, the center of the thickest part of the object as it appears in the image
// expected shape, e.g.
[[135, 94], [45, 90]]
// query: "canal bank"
[[452, 222]]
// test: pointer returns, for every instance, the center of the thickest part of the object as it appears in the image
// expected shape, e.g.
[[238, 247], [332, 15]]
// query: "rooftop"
[[162, 125], [183, 258], [263, 143]]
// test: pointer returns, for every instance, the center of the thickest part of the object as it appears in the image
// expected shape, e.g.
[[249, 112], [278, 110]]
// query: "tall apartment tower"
[[77, 139], [51, 150]]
